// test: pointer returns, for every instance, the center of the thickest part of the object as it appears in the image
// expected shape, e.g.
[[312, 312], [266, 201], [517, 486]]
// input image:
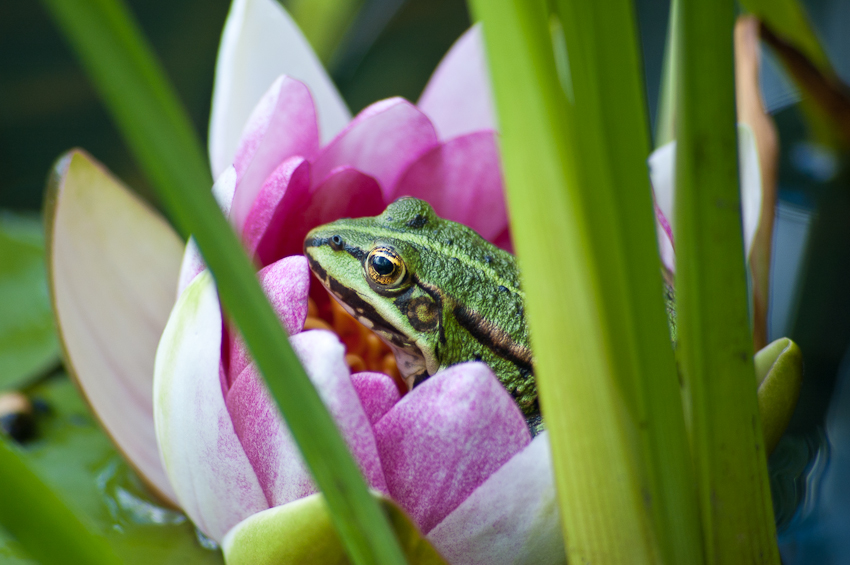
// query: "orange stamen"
[[364, 351]]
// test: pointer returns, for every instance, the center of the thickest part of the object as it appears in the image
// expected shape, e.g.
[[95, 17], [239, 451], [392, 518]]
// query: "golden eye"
[[384, 266]]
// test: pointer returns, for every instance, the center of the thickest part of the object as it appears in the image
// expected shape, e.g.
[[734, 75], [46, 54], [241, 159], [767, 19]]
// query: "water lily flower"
[[455, 454]]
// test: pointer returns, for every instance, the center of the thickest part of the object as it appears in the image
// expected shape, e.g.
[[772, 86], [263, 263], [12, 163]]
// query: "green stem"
[[138, 95], [714, 329], [665, 126], [612, 133], [583, 225]]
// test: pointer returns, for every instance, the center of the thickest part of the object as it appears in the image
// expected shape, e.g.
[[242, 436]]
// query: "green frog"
[[434, 290]]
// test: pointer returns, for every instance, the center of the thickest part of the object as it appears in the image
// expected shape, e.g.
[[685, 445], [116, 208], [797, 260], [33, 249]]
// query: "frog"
[[432, 289]]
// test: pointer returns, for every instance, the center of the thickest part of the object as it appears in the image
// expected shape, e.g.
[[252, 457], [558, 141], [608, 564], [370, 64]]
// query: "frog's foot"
[[535, 424]]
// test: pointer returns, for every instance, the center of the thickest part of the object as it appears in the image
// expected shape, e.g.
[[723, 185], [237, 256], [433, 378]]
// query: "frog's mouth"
[[361, 310], [409, 359]]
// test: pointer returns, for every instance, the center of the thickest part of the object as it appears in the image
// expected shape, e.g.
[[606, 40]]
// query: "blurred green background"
[[47, 104]]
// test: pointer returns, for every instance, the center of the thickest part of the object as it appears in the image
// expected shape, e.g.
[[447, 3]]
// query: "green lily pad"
[[28, 343], [12, 552], [74, 457]]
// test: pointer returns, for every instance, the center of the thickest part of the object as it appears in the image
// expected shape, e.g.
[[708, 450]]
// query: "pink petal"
[[458, 98], [346, 192], [283, 125], [662, 173], [511, 519], [259, 43], [445, 438], [286, 284], [462, 180], [267, 441], [382, 141], [504, 240], [214, 480], [284, 193], [664, 234], [193, 263], [377, 392], [113, 264]]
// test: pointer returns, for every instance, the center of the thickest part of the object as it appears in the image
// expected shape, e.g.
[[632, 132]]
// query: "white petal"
[[750, 179], [512, 518], [259, 43], [113, 264], [214, 480], [662, 172]]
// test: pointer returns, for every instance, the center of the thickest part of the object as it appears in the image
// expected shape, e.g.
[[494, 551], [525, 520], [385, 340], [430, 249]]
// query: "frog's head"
[[371, 266]]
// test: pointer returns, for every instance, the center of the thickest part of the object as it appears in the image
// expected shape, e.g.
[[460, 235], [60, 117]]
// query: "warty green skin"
[[459, 300]]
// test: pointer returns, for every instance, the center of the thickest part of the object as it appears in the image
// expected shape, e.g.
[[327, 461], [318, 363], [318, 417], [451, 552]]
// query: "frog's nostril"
[[336, 243]]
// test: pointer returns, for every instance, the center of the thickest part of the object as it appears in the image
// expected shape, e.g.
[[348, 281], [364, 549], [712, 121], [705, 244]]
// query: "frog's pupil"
[[382, 265]]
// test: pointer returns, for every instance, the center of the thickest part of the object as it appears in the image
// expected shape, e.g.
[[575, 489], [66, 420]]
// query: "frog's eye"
[[385, 267]]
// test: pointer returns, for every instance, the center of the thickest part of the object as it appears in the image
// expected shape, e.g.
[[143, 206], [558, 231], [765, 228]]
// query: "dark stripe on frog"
[[355, 252], [354, 301], [420, 378], [437, 296], [494, 338]]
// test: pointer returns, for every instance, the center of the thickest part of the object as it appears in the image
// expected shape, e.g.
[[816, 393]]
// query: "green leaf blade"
[[715, 339], [613, 133], [583, 226]]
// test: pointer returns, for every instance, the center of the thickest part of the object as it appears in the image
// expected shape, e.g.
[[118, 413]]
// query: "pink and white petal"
[[113, 264], [214, 480], [511, 519], [285, 192], [459, 98], [665, 247], [267, 440], [662, 174], [345, 193], [381, 141], [662, 171], [193, 262], [259, 43], [462, 180], [282, 126], [445, 438], [281, 472], [286, 284], [378, 393]]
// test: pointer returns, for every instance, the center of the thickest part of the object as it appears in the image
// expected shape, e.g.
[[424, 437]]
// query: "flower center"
[[364, 350]]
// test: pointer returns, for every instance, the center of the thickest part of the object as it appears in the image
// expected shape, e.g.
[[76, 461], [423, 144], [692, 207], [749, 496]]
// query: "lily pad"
[[78, 460], [12, 552], [28, 343]]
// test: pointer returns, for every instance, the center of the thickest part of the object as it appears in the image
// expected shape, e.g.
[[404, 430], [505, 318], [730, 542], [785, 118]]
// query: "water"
[[817, 531]]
